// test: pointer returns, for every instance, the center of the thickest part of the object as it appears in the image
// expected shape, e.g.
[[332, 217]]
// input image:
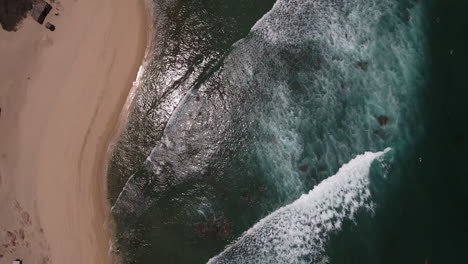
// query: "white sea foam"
[[334, 116], [339, 98], [298, 232]]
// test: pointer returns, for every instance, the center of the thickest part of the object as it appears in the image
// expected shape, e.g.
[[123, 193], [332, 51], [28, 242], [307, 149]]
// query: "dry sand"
[[61, 95]]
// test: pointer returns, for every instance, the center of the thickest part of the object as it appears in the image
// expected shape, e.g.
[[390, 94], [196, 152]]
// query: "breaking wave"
[[313, 84], [297, 233]]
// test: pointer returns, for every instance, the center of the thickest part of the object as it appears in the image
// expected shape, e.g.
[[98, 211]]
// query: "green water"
[[224, 134], [423, 208]]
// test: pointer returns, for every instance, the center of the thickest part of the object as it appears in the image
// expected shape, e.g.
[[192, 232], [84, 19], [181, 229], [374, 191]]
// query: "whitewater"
[[249, 138], [298, 232]]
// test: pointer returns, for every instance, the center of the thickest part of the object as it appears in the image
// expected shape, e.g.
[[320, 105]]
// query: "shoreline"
[[121, 123], [63, 97], [129, 100]]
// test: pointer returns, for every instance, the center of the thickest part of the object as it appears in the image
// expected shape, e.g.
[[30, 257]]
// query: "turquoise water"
[[259, 129]]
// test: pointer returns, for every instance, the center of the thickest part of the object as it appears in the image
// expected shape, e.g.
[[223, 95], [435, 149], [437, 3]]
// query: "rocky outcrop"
[[12, 12]]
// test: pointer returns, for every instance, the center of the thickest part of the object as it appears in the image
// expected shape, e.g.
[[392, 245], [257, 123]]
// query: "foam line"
[[298, 232]]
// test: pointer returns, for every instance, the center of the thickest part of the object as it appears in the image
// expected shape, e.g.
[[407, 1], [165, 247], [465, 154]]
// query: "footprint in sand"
[[21, 236], [45, 260], [25, 219]]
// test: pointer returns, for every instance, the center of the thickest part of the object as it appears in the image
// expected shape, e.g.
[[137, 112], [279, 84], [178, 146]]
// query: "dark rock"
[[383, 120], [12, 12], [224, 229], [213, 227], [50, 26], [303, 168], [364, 65]]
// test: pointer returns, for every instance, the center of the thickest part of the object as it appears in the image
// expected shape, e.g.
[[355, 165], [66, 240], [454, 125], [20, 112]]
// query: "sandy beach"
[[61, 96]]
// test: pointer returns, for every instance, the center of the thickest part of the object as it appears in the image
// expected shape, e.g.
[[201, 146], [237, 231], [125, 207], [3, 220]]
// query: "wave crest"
[[298, 232]]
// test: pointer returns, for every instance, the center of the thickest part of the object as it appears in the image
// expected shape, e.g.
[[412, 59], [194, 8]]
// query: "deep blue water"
[[297, 131]]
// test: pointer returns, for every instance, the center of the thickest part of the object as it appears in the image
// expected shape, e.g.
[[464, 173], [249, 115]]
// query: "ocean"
[[297, 131]]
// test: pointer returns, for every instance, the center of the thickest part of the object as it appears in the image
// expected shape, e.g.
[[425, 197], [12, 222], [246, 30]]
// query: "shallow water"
[[244, 108]]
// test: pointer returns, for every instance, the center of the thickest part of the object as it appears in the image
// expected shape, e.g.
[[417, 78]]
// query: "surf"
[[312, 85], [297, 233]]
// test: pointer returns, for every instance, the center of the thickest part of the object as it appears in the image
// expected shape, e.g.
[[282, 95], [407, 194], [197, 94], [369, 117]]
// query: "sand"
[[62, 94]]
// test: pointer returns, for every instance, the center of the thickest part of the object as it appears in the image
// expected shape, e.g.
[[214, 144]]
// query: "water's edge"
[[122, 122]]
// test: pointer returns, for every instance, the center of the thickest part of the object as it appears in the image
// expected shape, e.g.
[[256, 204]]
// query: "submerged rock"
[[303, 168], [383, 120], [364, 65]]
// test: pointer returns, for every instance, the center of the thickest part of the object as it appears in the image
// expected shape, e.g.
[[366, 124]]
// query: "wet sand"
[[61, 96]]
